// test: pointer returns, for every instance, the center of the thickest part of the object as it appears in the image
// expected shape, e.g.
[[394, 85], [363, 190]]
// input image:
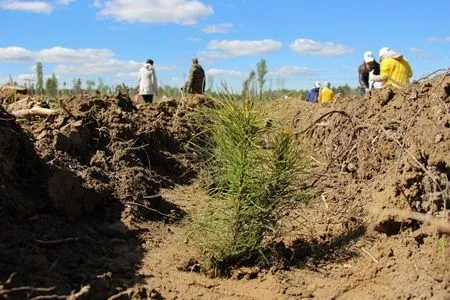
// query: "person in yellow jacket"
[[326, 94], [395, 70]]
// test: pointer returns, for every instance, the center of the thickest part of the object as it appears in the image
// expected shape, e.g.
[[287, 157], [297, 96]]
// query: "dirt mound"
[[78, 180], [11, 93], [102, 149], [380, 165], [403, 134], [22, 176]]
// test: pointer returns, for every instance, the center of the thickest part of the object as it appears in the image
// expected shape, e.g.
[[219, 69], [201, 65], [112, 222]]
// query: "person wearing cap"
[[326, 93], [147, 82], [196, 82], [367, 69], [313, 94], [395, 70]]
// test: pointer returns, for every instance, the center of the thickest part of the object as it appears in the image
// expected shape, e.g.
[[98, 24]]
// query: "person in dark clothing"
[[314, 93], [365, 69], [196, 82]]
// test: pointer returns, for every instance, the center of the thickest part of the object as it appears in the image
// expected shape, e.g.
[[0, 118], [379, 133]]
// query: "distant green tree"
[[102, 87], [90, 84], [77, 86], [51, 86], [40, 78], [262, 71]]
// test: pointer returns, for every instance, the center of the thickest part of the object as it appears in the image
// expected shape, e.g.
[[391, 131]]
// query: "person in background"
[[366, 70], [147, 82], [326, 93], [196, 82], [313, 94], [395, 70]]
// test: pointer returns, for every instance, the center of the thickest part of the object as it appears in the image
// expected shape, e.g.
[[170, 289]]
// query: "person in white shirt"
[[148, 85]]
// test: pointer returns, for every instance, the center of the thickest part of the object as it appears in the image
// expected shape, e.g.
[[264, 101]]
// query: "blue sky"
[[302, 41]]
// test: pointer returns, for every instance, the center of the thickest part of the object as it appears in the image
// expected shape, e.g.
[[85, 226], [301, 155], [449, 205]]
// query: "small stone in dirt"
[[347, 266], [414, 95], [247, 273], [154, 294], [439, 138], [43, 135], [351, 168], [191, 265]]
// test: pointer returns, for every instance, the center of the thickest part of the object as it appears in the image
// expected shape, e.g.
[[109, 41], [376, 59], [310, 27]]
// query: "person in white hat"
[[313, 95], [369, 67], [395, 70]]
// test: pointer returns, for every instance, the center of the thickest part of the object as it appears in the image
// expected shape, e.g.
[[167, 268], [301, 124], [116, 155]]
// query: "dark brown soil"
[[90, 202], [74, 185]]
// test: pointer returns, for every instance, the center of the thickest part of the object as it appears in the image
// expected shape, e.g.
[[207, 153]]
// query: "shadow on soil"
[[43, 253], [311, 254]]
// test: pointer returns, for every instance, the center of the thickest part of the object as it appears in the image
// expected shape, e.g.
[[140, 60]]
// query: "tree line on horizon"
[[253, 85]]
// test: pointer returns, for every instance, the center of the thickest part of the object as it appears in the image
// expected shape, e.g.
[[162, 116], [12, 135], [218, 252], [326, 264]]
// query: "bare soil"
[[96, 201]]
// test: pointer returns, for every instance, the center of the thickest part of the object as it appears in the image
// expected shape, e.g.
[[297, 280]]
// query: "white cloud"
[[28, 6], [121, 68], [65, 2], [185, 12], [84, 61], [423, 55], [290, 71], [438, 39], [230, 48], [60, 54], [307, 46], [218, 28], [97, 4], [55, 54], [26, 76], [15, 54], [225, 73], [126, 76]]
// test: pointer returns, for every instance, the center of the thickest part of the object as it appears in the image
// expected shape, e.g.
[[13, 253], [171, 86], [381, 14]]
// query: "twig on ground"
[[7, 119], [84, 291], [440, 82], [430, 74], [413, 119], [416, 161], [148, 208], [324, 116], [324, 201], [317, 161], [370, 255], [137, 148], [441, 225], [56, 242], [26, 289], [152, 196], [10, 278]]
